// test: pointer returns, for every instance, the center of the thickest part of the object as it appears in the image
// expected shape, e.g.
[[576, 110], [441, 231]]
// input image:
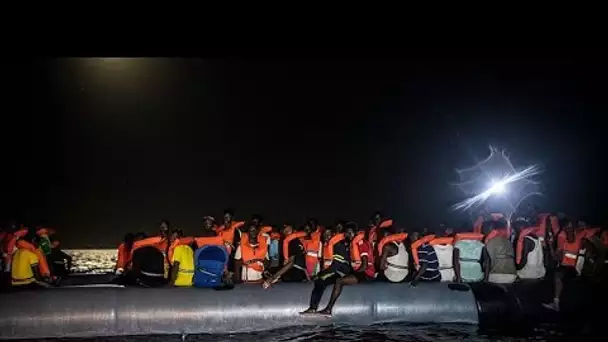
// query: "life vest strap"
[[24, 281], [312, 254]]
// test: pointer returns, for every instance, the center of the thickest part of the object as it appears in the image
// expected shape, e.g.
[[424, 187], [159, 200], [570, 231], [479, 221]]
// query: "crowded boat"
[[228, 252]]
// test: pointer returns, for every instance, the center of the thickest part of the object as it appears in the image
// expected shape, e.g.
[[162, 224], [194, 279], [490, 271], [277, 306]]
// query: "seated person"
[[366, 272], [61, 262], [428, 262], [182, 262], [294, 270], [339, 268], [25, 272], [501, 258], [251, 256]]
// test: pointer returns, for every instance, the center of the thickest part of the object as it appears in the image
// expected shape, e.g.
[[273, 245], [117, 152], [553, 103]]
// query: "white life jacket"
[[580, 261], [535, 265], [397, 269], [444, 256]]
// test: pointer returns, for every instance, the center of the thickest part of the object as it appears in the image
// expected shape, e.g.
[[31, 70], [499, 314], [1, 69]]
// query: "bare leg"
[[335, 293], [559, 285]]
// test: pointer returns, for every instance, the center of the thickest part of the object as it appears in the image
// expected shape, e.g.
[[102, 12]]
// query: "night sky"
[[100, 147]]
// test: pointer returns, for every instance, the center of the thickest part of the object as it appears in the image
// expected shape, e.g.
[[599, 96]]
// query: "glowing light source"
[[513, 186]]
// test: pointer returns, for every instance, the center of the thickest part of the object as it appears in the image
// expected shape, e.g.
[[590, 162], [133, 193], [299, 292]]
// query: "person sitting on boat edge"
[[251, 256], [365, 273], [394, 258], [25, 271], [428, 262], [182, 262], [294, 269], [340, 267]]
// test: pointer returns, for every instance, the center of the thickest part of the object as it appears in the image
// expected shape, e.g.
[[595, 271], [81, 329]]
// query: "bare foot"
[[325, 312], [308, 311]]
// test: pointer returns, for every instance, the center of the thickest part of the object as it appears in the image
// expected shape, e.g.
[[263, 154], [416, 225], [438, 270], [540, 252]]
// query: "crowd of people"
[[225, 253]]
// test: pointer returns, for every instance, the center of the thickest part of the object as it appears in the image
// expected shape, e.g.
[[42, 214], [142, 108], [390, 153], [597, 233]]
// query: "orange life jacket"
[[442, 241], [571, 250], [266, 229], [373, 233], [312, 254], [519, 248], [10, 244], [416, 244], [468, 236], [400, 237], [209, 241], [45, 231], [318, 233], [287, 240], [275, 236], [355, 255], [43, 265], [228, 234], [123, 257], [185, 240], [328, 249], [497, 232], [253, 257]]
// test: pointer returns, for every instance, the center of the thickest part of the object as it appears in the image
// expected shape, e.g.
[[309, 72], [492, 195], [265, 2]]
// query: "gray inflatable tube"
[[95, 311]]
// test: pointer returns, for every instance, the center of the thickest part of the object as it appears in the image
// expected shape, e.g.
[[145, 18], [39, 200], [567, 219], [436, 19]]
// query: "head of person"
[[256, 219], [30, 237], [339, 227], [228, 215], [175, 234], [287, 229], [350, 230], [327, 235], [487, 227], [253, 231], [415, 235], [208, 222], [377, 218], [314, 223], [164, 228], [569, 229], [308, 228], [581, 225]]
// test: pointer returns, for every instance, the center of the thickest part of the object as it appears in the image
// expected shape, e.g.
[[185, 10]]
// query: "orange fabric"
[[249, 253], [373, 233], [419, 243], [572, 249], [312, 253], [228, 234], [10, 243], [519, 249], [468, 236], [43, 266], [442, 241], [589, 232], [478, 225], [209, 241], [497, 232], [45, 231], [266, 229], [328, 248], [275, 236], [123, 257], [287, 240], [354, 249], [604, 238], [179, 242], [391, 238]]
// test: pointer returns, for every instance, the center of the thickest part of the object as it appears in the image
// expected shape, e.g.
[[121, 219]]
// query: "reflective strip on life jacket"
[[416, 244], [571, 250], [287, 240], [400, 237], [355, 255], [43, 266], [328, 249]]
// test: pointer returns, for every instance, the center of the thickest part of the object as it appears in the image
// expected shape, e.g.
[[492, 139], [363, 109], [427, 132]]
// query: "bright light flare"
[[498, 187]]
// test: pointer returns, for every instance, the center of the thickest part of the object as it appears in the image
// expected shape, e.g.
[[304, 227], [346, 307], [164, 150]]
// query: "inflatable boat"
[[79, 310]]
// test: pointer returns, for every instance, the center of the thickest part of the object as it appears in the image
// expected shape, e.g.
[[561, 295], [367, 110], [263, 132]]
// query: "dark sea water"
[[101, 261]]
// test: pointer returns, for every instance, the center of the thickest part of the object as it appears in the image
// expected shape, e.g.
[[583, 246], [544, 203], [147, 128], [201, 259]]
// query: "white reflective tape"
[[363, 254], [312, 254], [570, 255]]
